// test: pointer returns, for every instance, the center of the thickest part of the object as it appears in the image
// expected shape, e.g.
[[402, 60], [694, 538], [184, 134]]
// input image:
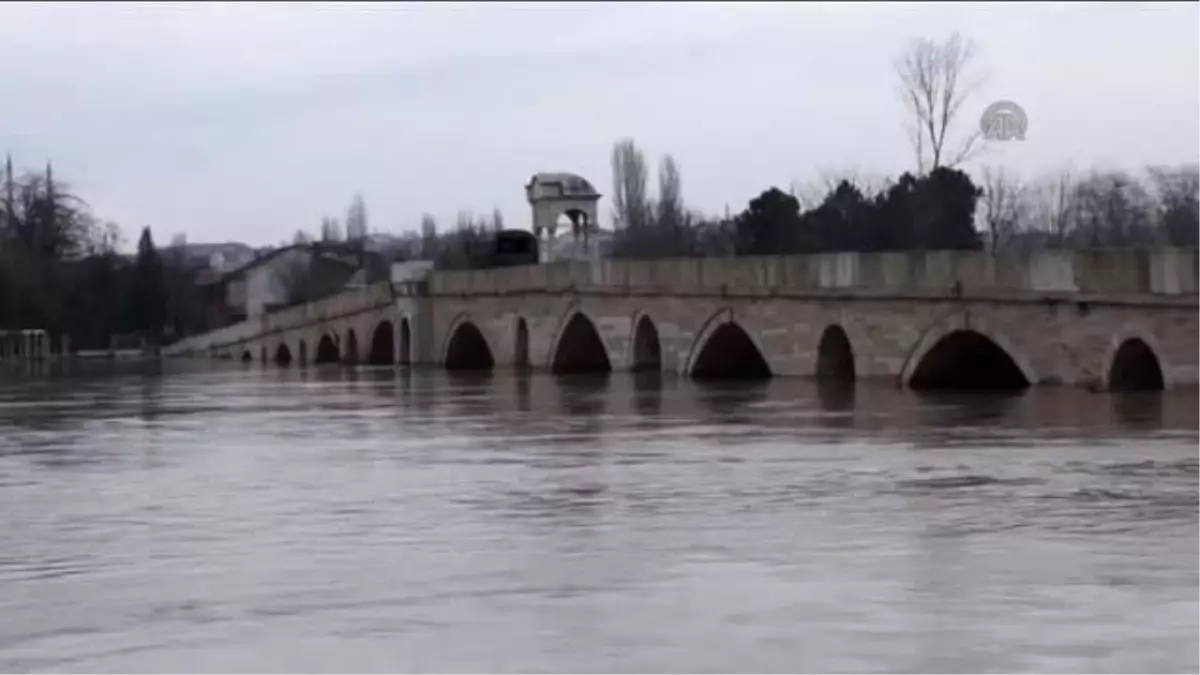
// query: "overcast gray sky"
[[246, 122]]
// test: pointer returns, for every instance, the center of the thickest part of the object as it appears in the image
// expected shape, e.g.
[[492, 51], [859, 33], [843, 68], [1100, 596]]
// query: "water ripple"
[[258, 520]]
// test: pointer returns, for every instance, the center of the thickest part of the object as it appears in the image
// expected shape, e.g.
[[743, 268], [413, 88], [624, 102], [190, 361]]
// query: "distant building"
[[220, 257], [287, 276]]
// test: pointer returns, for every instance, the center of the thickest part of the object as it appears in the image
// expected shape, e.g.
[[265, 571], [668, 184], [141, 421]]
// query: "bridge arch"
[[964, 352], [645, 351], [247, 357], [327, 351], [724, 349], [578, 347], [1132, 363], [466, 347], [350, 353], [383, 345], [283, 355], [835, 355], [521, 344]]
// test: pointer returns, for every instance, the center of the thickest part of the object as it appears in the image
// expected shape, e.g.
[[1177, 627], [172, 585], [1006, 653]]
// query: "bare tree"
[[429, 237], [356, 219], [330, 230], [1002, 206], [631, 207], [670, 210], [464, 220], [497, 219], [1112, 208], [650, 228], [933, 85], [1051, 204], [301, 238], [1177, 193], [468, 246], [293, 272]]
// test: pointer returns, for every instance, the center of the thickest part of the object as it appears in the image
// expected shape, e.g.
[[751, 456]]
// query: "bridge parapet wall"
[[347, 302], [1117, 274]]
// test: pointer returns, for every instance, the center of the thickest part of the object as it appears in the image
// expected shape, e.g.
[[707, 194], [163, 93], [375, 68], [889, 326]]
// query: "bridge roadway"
[[1099, 319]]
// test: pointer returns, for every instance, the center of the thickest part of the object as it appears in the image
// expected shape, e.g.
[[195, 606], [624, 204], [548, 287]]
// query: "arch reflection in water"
[[523, 390], [648, 392], [521, 345], [838, 398], [583, 402], [405, 342], [583, 395], [1140, 410], [350, 357], [474, 381], [731, 400], [967, 408]]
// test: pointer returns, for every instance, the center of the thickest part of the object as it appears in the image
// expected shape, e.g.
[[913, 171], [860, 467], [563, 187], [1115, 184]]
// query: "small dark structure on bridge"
[[514, 248]]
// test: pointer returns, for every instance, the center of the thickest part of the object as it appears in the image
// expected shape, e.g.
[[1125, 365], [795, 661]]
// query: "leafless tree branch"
[[934, 89]]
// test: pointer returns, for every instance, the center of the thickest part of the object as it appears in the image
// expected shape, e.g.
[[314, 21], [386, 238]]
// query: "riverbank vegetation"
[[61, 270]]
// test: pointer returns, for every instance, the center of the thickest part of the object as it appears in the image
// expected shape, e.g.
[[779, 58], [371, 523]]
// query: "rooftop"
[[559, 184]]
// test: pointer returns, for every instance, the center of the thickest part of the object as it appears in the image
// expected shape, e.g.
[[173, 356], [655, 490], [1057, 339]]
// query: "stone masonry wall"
[[1051, 342]]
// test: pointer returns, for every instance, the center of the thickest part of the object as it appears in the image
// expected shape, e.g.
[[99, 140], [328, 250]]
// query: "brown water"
[[267, 520]]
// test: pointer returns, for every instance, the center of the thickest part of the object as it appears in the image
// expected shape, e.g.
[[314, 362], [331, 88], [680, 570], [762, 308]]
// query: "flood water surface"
[[376, 520]]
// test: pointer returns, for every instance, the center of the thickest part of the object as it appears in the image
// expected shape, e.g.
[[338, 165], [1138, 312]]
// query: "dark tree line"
[[930, 212], [60, 271], [927, 212], [943, 209]]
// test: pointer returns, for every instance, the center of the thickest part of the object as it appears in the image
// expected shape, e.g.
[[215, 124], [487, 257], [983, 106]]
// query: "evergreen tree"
[[769, 225], [147, 296]]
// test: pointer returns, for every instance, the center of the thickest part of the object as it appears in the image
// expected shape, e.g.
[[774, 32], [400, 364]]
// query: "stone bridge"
[[359, 325], [1100, 319]]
